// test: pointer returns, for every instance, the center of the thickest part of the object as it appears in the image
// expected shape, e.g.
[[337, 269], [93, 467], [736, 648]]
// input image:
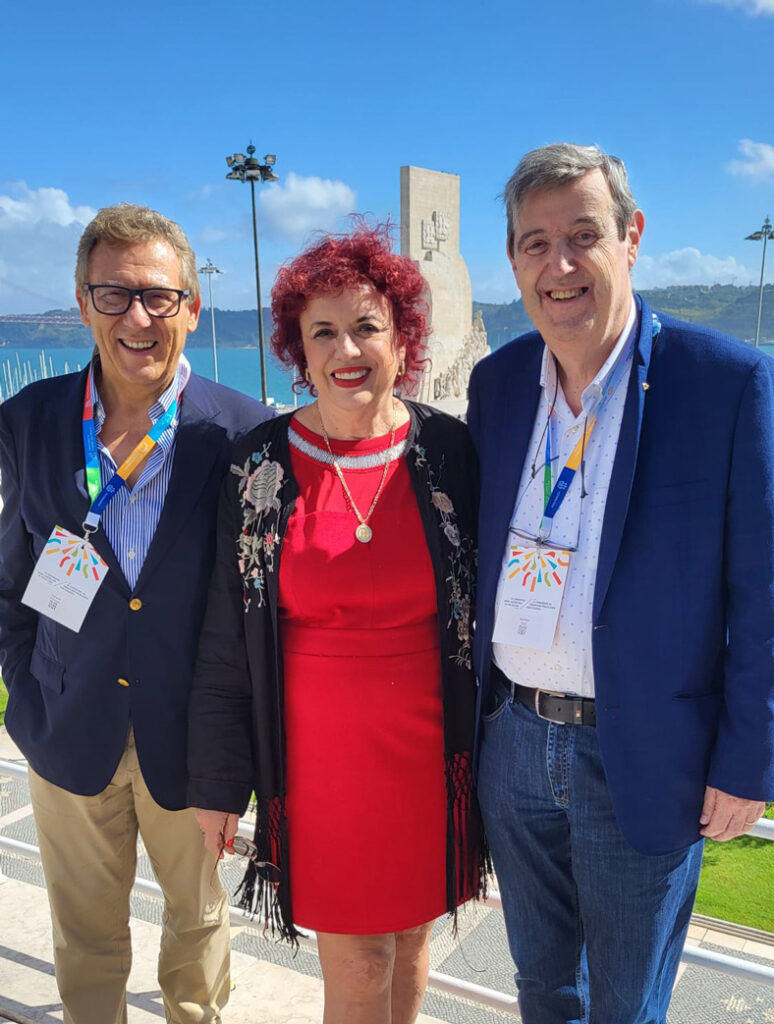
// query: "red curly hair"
[[339, 262]]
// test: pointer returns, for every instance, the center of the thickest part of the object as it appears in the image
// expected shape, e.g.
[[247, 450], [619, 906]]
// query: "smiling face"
[[139, 353], [572, 268], [351, 354]]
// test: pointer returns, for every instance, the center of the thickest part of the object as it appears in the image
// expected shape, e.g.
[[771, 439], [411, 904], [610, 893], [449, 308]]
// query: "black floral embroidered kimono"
[[236, 734]]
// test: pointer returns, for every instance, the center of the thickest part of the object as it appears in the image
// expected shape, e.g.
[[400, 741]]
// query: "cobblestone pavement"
[[271, 986]]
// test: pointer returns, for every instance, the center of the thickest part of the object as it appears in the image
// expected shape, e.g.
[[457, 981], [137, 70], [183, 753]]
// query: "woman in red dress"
[[334, 674]]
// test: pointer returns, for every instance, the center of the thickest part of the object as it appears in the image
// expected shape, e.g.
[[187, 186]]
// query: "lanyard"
[[102, 496], [554, 496]]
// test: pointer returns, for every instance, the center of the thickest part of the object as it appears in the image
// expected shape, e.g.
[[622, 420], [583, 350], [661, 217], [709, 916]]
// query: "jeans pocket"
[[497, 711]]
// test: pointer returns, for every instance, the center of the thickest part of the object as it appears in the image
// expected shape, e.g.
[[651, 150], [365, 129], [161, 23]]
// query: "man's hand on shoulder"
[[725, 817]]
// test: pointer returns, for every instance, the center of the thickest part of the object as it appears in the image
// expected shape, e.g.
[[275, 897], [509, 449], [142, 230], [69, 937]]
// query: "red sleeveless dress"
[[366, 794]]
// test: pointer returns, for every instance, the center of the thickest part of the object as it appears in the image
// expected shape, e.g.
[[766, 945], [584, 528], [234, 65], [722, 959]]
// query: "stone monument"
[[430, 235]]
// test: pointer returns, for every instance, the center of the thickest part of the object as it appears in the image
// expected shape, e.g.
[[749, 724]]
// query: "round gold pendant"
[[364, 533]]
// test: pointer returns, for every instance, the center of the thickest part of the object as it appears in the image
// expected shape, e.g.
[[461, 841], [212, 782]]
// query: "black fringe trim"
[[468, 860], [259, 897]]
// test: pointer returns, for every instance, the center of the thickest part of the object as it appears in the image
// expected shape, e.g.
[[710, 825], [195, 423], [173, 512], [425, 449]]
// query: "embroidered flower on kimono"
[[258, 492], [452, 533], [268, 543], [263, 485], [420, 455], [443, 503], [463, 621]]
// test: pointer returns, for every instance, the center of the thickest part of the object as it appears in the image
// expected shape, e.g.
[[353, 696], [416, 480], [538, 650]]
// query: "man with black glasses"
[[110, 481], [625, 616]]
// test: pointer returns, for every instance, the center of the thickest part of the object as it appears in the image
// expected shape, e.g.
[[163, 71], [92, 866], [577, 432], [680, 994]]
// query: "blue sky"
[[143, 101]]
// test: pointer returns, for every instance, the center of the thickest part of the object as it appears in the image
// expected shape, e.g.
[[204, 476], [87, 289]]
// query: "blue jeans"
[[595, 928]]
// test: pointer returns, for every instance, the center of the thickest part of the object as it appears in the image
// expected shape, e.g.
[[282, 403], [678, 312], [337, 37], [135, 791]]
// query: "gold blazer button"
[[135, 604]]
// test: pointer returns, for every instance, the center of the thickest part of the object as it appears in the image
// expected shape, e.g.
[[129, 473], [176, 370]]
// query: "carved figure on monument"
[[430, 216], [434, 231]]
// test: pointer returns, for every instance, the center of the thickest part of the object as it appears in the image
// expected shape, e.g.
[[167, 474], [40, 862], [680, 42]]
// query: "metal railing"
[[764, 829]]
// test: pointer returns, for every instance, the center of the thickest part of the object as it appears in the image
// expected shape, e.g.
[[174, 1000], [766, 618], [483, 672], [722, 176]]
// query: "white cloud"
[[758, 159], [748, 6], [690, 266], [41, 228], [40, 206], [298, 206]]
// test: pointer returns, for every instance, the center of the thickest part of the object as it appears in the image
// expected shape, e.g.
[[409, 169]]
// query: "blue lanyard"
[[567, 475], [100, 499]]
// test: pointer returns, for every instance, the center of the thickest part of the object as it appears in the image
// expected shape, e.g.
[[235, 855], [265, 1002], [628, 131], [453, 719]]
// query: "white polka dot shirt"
[[568, 666]]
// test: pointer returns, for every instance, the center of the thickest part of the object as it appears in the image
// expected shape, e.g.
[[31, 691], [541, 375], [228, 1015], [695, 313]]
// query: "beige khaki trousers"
[[88, 847]]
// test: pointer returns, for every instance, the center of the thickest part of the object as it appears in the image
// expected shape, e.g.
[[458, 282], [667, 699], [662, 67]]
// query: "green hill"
[[725, 307]]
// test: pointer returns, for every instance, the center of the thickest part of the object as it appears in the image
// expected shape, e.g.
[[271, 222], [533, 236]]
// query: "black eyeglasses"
[[532, 540], [113, 300]]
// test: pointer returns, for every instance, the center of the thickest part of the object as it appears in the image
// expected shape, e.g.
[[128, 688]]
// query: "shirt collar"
[[594, 388], [159, 407]]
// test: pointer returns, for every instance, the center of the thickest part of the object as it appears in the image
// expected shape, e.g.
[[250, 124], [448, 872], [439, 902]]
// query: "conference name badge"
[[65, 579], [531, 596]]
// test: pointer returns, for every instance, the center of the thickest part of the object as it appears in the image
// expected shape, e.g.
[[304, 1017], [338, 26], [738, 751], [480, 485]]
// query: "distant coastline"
[[729, 308]]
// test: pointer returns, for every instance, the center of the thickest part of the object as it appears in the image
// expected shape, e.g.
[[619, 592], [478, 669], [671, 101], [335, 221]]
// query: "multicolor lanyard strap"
[[102, 496], [554, 496]]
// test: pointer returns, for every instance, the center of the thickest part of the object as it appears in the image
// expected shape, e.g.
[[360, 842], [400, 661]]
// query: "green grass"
[[3, 701], [736, 881]]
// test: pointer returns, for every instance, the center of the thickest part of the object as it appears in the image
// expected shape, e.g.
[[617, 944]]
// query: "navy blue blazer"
[[683, 619], [67, 711]]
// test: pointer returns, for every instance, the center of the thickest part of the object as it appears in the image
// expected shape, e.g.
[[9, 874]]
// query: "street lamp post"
[[765, 233], [209, 269], [248, 168]]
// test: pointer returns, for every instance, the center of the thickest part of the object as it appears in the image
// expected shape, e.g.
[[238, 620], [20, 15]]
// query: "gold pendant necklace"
[[363, 531]]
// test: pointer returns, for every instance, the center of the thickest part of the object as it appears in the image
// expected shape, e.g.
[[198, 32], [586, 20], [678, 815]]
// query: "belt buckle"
[[550, 693]]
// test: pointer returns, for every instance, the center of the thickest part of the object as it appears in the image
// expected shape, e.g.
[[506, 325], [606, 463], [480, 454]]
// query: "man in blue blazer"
[[100, 712], [625, 620]]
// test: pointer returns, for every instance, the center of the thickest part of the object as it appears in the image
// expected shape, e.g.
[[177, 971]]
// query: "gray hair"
[[559, 164], [125, 224]]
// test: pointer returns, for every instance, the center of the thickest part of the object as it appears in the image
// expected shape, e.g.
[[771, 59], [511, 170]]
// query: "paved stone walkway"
[[273, 987]]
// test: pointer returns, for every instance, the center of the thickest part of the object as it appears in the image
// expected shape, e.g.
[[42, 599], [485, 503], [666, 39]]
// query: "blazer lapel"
[[625, 461], [197, 447], [513, 418]]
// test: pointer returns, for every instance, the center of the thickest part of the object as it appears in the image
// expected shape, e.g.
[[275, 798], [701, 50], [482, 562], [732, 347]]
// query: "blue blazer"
[[683, 619], [67, 711]]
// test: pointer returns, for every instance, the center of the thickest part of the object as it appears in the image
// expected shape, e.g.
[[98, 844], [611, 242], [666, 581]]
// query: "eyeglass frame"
[[545, 543], [133, 293], [537, 540]]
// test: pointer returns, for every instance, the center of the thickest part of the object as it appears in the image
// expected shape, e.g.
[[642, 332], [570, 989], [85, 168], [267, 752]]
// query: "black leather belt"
[[561, 708]]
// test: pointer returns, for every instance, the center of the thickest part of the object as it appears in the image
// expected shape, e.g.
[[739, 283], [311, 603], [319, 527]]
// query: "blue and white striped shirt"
[[131, 518]]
